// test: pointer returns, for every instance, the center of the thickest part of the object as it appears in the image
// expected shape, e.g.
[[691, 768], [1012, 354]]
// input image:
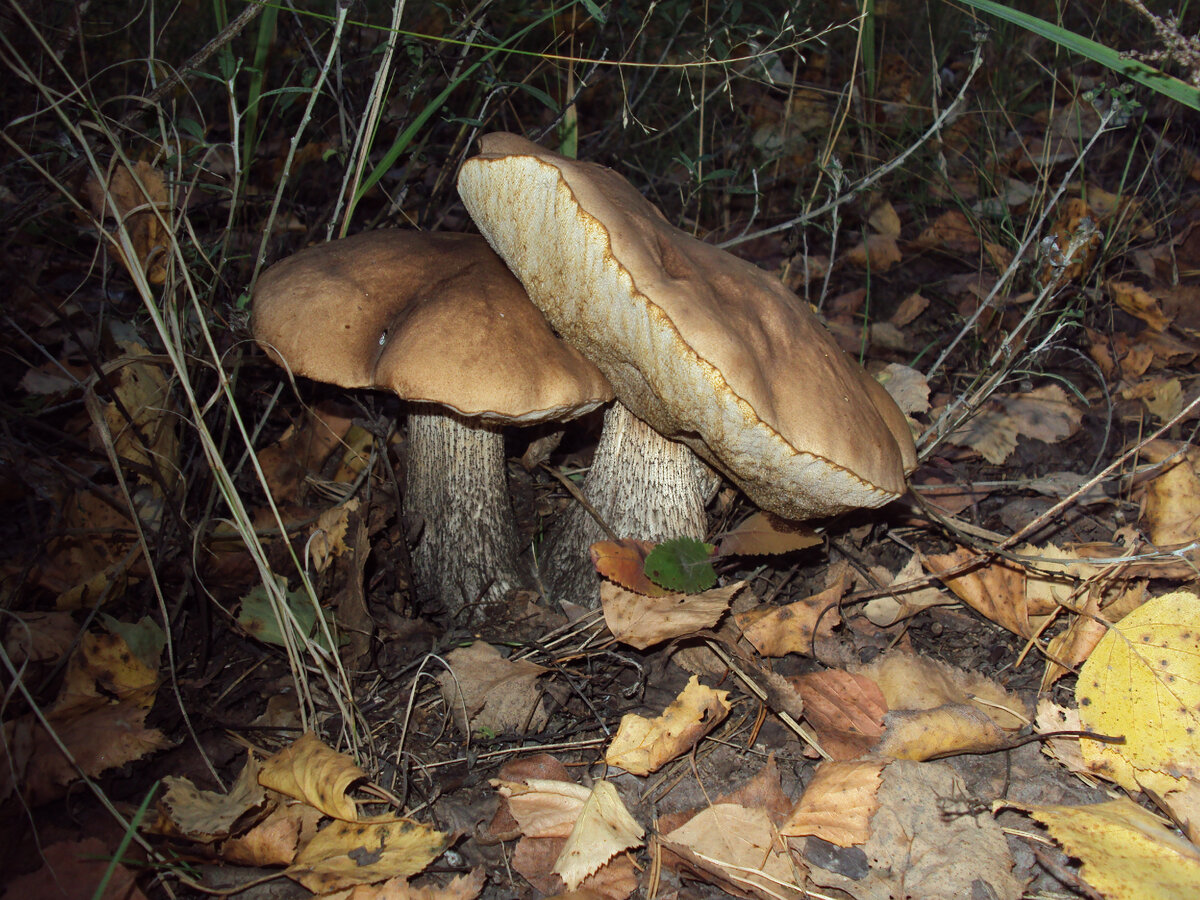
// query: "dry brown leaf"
[[904, 603], [486, 692], [642, 746], [148, 440], [909, 309], [879, 252], [207, 816], [543, 807], [1173, 498], [301, 450], [642, 621], [1045, 413], [75, 870], [922, 734], [1139, 303], [779, 630], [1001, 590], [38, 636], [461, 887], [952, 233], [739, 849], [906, 386], [99, 733], [845, 710], [767, 533], [308, 770], [838, 803], [623, 562], [884, 219], [133, 196], [1051, 718], [275, 840], [911, 682], [916, 849]]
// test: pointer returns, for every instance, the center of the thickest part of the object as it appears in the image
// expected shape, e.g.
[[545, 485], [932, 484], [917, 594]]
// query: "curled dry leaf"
[[623, 562], [921, 734], [132, 196], [210, 815], [1173, 497], [642, 746], [308, 770], [642, 621], [838, 803], [911, 682], [904, 603]]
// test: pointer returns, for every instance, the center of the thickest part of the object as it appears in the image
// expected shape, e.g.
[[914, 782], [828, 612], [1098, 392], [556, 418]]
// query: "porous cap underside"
[[437, 318], [706, 347]]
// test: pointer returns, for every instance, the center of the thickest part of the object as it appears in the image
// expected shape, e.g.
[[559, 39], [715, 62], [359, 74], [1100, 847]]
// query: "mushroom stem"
[[456, 485], [643, 486]]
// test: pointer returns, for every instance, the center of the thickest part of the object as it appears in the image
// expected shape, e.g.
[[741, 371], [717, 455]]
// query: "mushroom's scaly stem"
[[643, 485], [456, 484]]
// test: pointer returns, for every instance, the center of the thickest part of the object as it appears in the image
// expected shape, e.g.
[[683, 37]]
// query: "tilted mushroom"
[[441, 321], [710, 350]]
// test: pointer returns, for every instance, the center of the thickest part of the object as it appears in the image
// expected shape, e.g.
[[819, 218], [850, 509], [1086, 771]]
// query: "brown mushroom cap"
[[705, 347], [436, 318]]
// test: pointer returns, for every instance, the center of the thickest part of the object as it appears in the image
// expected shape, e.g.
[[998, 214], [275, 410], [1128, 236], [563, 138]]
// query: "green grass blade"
[[1158, 81]]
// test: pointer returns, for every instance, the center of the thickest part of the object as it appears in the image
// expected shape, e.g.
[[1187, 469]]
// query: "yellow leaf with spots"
[[1126, 852], [1143, 682], [320, 776]]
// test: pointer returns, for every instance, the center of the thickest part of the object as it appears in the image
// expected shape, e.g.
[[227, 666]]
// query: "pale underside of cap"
[[437, 318], [707, 348]]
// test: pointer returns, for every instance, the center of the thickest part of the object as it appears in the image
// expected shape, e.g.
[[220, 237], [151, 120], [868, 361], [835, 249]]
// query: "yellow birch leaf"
[[1143, 682], [604, 828], [310, 771], [1126, 853]]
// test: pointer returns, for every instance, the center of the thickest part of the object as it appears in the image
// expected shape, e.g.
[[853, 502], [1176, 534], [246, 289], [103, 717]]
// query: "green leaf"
[[257, 615], [683, 564], [1158, 81]]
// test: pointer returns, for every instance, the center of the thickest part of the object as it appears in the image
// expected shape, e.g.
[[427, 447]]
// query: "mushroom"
[[709, 350], [441, 321]]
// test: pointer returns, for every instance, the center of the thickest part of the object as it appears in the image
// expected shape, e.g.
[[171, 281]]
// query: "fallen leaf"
[[1138, 302], [623, 562], [1126, 852], [904, 603], [207, 816], [641, 621], [1143, 682], [604, 828], [779, 630], [345, 853], [766, 533], [740, 849], [838, 803], [642, 746], [308, 770], [483, 691], [846, 710]]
